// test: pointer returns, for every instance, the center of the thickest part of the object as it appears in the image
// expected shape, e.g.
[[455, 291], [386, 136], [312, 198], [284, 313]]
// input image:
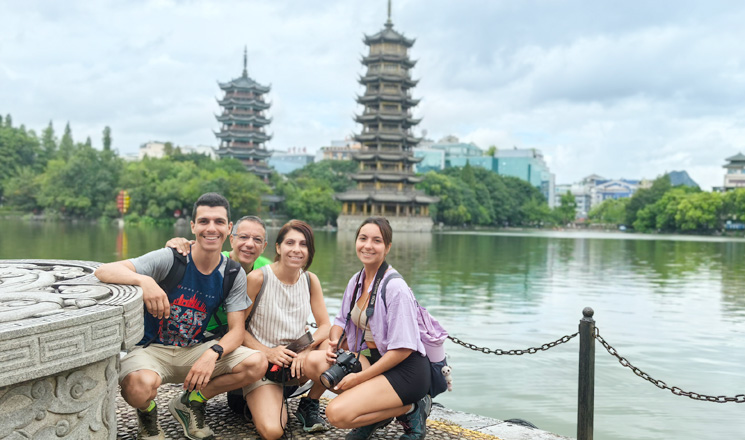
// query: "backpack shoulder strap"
[[390, 277], [264, 271], [231, 273], [175, 274]]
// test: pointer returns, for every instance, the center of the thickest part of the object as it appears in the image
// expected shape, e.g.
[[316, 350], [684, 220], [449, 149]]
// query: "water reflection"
[[674, 306]]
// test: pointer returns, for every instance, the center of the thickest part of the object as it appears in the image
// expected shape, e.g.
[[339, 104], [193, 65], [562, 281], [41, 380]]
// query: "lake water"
[[673, 306]]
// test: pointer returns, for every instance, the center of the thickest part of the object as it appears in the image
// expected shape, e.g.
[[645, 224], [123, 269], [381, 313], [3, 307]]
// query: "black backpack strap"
[[392, 276], [175, 274], [232, 268], [173, 277]]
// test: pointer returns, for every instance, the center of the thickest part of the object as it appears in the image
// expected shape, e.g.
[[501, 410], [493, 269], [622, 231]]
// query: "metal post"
[[586, 395]]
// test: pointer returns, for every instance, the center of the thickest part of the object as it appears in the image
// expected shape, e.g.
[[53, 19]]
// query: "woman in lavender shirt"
[[395, 374]]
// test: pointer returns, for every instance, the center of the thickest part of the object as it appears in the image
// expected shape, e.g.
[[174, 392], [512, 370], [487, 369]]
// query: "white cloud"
[[631, 89]]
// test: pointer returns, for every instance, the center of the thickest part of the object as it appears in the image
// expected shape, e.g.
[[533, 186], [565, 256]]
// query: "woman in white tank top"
[[289, 296]]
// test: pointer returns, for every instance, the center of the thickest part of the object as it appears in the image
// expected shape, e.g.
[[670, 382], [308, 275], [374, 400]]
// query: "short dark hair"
[[385, 228], [212, 200], [304, 229], [248, 218]]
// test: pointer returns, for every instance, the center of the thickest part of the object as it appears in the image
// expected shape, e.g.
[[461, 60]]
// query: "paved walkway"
[[443, 424]]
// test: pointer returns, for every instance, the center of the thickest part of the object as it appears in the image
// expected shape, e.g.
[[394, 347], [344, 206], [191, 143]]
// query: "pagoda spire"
[[389, 23], [245, 61]]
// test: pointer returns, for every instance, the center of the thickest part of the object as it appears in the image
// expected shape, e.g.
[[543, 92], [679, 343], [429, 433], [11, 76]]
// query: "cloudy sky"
[[622, 89]]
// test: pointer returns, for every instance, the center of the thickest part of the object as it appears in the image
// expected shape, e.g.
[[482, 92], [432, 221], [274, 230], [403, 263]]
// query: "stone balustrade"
[[61, 333]]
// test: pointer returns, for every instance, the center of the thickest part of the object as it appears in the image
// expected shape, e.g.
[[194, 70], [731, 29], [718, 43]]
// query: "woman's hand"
[[296, 369], [182, 245], [331, 351], [351, 380], [280, 355]]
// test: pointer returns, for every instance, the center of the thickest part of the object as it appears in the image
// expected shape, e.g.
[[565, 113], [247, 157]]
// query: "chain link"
[[740, 398], [500, 352]]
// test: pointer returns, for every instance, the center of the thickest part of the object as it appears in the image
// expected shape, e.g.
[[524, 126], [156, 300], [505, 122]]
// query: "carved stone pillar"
[[61, 332]]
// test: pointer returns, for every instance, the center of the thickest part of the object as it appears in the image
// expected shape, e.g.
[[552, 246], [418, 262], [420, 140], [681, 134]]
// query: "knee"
[[140, 385], [270, 432], [337, 415], [252, 368]]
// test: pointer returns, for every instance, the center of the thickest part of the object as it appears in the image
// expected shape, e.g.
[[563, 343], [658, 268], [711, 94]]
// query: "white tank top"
[[282, 311]]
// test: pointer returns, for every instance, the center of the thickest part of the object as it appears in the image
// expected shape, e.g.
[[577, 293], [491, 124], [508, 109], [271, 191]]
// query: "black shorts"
[[410, 378]]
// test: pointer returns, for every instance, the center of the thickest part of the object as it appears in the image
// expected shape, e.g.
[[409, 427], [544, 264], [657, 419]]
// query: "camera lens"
[[331, 377]]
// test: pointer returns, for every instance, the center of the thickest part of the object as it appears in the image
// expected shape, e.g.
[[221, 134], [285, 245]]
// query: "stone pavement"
[[443, 424]]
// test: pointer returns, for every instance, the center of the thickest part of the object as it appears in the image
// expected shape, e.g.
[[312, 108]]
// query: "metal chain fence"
[[500, 352], [740, 398]]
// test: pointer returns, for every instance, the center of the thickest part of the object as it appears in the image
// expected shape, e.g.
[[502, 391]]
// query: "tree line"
[[667, 208], [61, 178]]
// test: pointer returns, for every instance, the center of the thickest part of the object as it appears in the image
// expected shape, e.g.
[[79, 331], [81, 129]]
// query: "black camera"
[[345, 363]]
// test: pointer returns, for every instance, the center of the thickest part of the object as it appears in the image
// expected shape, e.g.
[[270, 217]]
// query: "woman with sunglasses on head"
[[395, 373], [287, 295]]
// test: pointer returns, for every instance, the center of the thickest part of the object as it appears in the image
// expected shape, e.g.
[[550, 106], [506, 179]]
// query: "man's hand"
[[201, 372], [155, 299], [182, 245]]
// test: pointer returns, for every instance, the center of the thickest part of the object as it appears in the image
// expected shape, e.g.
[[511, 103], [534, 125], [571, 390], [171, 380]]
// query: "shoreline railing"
[[588, 333]]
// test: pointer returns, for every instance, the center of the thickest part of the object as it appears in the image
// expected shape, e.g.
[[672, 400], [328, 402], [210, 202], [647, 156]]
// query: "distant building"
[[593, 190], [527, 164], [285, 162], [157, 150], [613, 189], [242, 122], [339, 150], [735, 175], [448, 152]]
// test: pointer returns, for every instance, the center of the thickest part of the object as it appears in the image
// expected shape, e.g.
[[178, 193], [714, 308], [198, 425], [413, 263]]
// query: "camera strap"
[[371, 303]]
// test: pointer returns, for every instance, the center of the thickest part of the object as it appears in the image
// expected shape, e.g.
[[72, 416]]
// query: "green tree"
[[48, 145], [566, 212], [611, 211], [491, 151], [334, 173], [107, 138], [8, 121], [168, 148], [646, 196], [84, 185], [66, 145]]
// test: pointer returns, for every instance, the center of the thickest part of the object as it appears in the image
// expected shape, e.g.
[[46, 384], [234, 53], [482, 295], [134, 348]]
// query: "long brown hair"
[[304, 229]]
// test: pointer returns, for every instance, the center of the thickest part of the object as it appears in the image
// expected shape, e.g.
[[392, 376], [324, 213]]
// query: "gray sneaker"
[[190, 415], [147, 426]]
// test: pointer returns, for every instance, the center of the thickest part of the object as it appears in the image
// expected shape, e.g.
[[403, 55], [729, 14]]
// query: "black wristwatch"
[[217, 348]]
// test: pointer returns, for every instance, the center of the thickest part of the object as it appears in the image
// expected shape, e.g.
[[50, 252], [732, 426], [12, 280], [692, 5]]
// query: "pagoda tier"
[[388, 58], [387, 78], [385, 179], [238, 118], [243, 104], [255, 136], [244, 152], [399, 98], [242, 134], [383, 117], [375, 156]]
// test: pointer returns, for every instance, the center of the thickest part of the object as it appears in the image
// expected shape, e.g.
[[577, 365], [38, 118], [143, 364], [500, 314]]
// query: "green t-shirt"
[[220, 313]]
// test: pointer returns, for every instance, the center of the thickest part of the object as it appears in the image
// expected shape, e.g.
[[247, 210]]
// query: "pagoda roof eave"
[[244, 83], [262, 105], [255, 119], [368, 78], [388, 34]]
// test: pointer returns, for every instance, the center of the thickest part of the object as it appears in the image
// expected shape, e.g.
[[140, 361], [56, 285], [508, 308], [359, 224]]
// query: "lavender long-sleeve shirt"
[[394, 326]]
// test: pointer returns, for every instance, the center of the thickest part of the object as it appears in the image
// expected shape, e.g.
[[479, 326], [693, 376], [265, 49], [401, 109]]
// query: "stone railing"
[[61, 332]]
